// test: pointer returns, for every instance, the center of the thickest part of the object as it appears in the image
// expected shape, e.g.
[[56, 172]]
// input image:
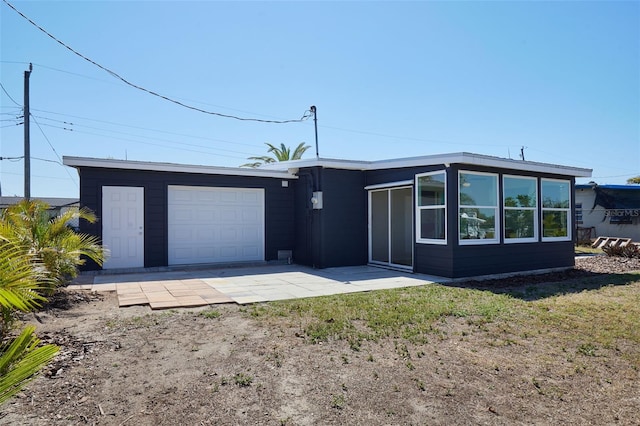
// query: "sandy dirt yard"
[[134, 366]]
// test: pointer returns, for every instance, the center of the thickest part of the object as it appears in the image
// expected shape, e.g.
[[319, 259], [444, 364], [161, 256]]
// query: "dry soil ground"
[[133, 366]]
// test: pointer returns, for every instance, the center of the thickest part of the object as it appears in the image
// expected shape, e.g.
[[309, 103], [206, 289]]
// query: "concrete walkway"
[[200, 287]]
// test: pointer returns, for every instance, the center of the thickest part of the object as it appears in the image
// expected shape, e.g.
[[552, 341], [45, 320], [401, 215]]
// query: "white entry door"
[[215, 225], [123, 226]]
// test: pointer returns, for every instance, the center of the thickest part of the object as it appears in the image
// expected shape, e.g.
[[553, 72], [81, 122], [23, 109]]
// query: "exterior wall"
[[335, 235], [305, 217], [594, 216], [475, 260], [343, 224], [487, 259], [377, 177], [279, 205]]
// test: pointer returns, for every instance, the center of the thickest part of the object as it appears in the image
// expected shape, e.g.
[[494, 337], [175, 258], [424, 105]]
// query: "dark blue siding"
[[377, 177], [337, 234], [344, 218], [279, 205]]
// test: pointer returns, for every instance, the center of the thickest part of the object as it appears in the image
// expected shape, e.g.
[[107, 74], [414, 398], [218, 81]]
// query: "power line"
[[146, 128], [12, 159], [40, 176], [149, 143], [110, 82], [7, 93], [47, 160], [53, 149], [72, 129], [151, 92], [11, 125]]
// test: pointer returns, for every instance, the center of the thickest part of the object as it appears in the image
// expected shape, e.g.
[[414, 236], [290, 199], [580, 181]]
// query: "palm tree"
[[22, 357], [50, 240], [279, 154], [20, 282]]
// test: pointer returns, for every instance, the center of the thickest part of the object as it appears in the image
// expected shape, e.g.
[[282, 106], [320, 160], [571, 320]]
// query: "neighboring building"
[[56, 205], [608, 210], [453, 215]]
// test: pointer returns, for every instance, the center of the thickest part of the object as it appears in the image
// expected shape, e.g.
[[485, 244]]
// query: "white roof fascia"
[[173, 167], [430, 160]]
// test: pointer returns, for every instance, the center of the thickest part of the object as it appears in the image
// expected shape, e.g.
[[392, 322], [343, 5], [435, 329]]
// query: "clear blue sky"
[[389, 80]]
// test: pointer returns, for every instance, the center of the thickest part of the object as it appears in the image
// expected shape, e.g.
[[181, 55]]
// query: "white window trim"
[[402, 183], [543, 209], [536, 227], [388, 190], [419, 208], [496, 225]]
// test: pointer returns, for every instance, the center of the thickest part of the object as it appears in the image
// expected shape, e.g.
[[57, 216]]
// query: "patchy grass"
[[597, 313], [592, 318], [210, 314], [587, 250], [408, 313]]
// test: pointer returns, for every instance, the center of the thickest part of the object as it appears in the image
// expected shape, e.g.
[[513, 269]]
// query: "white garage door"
[[211, 225]]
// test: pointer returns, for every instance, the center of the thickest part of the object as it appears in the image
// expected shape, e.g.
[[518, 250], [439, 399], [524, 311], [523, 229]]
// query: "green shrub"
[[49, 240], [22, 357]]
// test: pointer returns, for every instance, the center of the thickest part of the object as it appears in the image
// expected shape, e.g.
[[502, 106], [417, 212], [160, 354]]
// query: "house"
[[451, 215], [608, 211]]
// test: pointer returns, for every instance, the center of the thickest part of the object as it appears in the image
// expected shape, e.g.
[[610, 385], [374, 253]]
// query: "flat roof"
[[430, 160], [174, 167], [287, 169], [630, 187]]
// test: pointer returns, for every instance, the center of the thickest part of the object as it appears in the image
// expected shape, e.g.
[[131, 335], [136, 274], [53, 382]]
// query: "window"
[[520, 199], [478, 212], [578, 213], [431, 210], [556, 210]]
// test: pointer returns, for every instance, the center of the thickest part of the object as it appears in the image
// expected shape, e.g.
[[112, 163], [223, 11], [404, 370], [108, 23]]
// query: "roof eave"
[[432, 160], [172, 167]]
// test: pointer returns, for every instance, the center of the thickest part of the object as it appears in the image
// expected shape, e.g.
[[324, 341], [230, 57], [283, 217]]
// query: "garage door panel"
[[179, 195], [229, 215], [210, 224], [181, 235], [250, 215], [229, 235], [229, 197], [251, 251], [204, 215], [205, 196], [182, 215]]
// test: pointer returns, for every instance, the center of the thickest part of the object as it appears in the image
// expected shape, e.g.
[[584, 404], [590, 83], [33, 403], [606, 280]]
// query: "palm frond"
[[20, 361], [20, 279], [300, 150]]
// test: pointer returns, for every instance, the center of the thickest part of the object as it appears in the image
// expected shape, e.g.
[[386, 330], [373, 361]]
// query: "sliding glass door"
[[391, 227]]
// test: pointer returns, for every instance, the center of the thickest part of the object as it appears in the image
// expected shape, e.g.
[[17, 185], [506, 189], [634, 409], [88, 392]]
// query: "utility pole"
[[27, 142], [312, 108]]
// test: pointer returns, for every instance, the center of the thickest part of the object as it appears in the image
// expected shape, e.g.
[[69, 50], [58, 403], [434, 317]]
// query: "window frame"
[[568, 210], [419, 209], [534, 209], [579, 214], [496, 225]]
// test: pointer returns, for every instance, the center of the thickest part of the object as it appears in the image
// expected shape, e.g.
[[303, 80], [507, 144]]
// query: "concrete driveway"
[[251, 284]]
